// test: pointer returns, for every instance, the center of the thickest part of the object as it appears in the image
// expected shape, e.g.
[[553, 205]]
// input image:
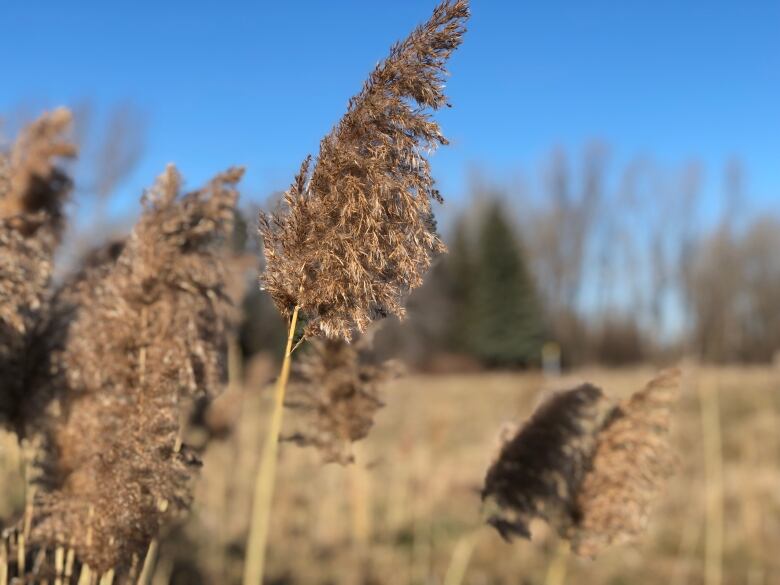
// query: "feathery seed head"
[[33, 189], [358, 232], [539, 470], [336, 389], [32, 186], [629, 469], [137, 335], [589, 467]]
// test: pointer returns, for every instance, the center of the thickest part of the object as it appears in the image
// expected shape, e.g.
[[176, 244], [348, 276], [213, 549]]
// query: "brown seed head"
[[336, 389], [629, 469], [32, 186], [358, 231], [33, 189], [540, 470], [133, 338], [590, 468]]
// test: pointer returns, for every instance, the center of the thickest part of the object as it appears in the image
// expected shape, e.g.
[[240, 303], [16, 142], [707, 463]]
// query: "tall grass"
[[97, 372], [713, 465]]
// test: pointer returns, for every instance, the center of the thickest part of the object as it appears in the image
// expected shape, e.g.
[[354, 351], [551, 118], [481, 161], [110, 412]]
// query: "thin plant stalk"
[[689, 540], [461, 556], [59, 564], [21, 554], [360, 503], [3, 562], [163, 572], [556, 572], [266, 473], [150, 562], [107, 578], [713, 468], [85, 578]]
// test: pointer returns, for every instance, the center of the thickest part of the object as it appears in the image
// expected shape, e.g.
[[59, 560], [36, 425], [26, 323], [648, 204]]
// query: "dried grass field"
[[408, 511]]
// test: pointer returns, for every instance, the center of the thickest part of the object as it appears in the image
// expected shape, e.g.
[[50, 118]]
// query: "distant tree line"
[[610, 268]]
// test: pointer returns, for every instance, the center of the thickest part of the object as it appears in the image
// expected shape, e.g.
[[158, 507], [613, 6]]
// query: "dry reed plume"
[[33, 189], [358, 232], [133, 340], [589, 467], [336, 386], [541, 468]]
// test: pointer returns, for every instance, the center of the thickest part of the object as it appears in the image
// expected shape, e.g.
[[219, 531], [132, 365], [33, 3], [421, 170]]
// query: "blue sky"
[[259, 83]]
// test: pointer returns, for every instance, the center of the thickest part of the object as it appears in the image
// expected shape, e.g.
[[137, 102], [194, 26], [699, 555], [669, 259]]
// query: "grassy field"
[[408, 511]]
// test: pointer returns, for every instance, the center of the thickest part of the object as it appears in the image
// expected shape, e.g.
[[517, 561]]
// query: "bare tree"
[[734, 285], [561, 230]]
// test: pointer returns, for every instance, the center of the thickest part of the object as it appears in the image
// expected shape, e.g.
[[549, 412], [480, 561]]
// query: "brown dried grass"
[[357, 232], [132, 340], [33, 190], [98, 376], [335, 388], [589, 467], [629, 469]]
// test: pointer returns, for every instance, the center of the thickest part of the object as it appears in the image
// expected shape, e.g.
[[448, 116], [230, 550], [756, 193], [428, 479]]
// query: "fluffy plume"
[[589, 467], [358, 231], [33, 189], [336, 388], [632, 461], [133, 338], [539, 471]]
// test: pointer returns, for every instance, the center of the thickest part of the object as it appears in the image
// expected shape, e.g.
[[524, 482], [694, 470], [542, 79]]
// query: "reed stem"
[[150, 562], [266, 474], [713, 469], [3, 562], [461, 556], [556, 572]]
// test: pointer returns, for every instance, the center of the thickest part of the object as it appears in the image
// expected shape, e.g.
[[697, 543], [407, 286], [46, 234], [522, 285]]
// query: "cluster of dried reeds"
[[99, 374], [589, 467], [133, 339]]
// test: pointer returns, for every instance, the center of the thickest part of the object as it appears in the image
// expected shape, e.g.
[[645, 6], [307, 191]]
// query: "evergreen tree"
[[459, 270], [504, 316]]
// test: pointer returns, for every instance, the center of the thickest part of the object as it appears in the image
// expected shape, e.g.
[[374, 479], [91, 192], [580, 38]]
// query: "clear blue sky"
[[258, 83]]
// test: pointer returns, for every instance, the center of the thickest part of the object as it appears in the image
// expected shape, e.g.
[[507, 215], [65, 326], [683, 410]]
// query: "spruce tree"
[[504, 317], [459, 275]]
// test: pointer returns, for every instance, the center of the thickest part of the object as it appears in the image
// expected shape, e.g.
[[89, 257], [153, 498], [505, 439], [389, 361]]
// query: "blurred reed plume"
[[336, 387], [540, 469], [629, 468], [136, 336], [98, 375], [358, 232], [589, 467], [33, 189]]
